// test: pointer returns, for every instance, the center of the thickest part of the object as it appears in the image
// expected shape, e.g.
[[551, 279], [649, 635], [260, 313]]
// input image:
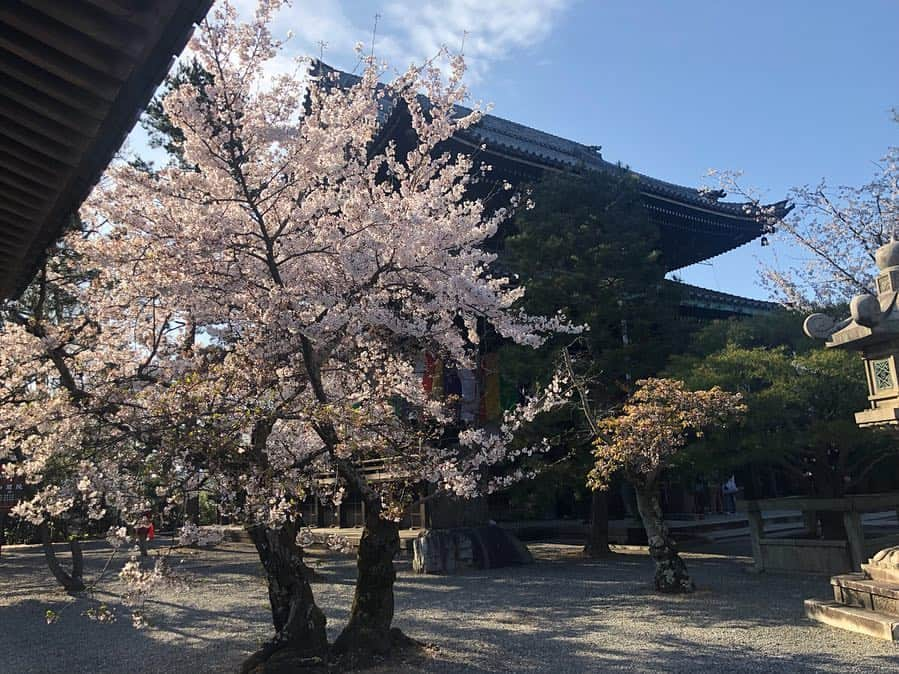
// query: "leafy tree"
[[161, 131], [588, 249], [274, 292], [800, 399], [53, 423], [652, 427]]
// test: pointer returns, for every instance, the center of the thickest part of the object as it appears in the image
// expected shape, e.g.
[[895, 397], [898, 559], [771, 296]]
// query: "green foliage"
[[588, 249], [801, 401], [209, 513], [162, 133]]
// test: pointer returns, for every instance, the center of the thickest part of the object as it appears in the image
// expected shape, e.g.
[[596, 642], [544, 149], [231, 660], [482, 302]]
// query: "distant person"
[[730, 490], [716, 489], [144, 532], [700, 493]]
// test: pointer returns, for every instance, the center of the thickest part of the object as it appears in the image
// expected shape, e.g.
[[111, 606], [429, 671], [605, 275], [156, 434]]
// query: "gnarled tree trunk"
[[598, 541], [671, 572], [72, 582], [300, 638], [368, 630]]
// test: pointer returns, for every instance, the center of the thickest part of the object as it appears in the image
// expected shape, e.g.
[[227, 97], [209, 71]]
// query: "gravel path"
[[562, 614]]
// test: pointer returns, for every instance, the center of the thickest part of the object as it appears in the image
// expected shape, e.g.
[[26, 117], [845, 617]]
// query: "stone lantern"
[[868, 602], [873, 330]]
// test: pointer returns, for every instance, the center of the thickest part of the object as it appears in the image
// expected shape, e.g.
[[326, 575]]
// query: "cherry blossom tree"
[[837, 229], [56, 421], [271, 294], [657, 421]]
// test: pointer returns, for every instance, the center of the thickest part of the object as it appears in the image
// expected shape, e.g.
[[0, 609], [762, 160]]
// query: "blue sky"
[[789, 92]]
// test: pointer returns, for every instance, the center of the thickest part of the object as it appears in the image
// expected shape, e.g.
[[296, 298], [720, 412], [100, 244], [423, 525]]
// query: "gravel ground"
[[562, 614]]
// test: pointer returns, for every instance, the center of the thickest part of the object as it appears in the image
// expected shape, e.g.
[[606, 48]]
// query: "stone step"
[[882, 573], [861, 621], [856, 589]]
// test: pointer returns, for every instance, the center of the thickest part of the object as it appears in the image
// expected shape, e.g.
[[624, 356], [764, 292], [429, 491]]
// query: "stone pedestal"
[[866, 602], [449, 551]]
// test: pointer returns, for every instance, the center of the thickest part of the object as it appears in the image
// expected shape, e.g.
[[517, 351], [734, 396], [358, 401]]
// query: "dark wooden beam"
[[59, 64], [93, 22], [55, 87], [42, 126], [13, 198], [25, 189], [60, 152], [74, 77], [28, 97], [66, 40]]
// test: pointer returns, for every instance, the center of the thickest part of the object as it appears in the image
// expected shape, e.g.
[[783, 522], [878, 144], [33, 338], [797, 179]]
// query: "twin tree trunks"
[[71, 582], [300, 637]]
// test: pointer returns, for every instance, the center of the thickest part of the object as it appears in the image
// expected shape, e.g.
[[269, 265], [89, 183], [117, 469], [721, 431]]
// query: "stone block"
[[882, 573], [439, 551], [858, 620], [803, 554], [856, 590]]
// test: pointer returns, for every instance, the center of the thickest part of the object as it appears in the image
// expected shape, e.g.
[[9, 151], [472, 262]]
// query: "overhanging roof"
[[74, 77], [694, 225], [705, 303]]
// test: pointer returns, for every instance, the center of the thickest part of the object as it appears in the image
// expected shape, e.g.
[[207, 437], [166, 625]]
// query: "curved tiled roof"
[[498, 132], [703, 299], [548, 149]]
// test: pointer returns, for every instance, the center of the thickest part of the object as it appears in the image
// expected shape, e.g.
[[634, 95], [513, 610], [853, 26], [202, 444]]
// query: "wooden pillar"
[[810, 521], [756, 533], [856, 536]]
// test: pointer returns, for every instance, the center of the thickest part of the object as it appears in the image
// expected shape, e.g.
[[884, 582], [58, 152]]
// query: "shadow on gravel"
[[603, 615], [557, 616]]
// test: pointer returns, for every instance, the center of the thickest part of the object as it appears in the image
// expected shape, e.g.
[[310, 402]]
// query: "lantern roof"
[[874, 318]]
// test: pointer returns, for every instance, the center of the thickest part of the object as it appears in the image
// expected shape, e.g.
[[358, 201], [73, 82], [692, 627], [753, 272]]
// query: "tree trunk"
[[671, 573], [300, 639], [368, 630], [827, 485], [141, 535], [73, 582], [598, 541], [192, 509]]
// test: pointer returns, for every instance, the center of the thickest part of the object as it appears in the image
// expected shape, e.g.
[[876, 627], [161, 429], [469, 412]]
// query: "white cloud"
[[491, 30], [414, 30]]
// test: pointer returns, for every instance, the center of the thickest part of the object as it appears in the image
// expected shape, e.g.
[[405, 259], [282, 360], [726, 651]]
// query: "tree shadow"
[[575, 614]]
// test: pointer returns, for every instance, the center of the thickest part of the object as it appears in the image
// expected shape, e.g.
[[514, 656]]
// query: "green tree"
[[800, 398], [588, 249]]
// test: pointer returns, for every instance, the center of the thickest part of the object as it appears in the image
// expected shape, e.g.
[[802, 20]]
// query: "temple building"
[[694, 224]]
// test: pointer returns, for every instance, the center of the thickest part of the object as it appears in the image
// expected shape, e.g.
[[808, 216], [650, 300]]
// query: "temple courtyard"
[[562, 614]]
